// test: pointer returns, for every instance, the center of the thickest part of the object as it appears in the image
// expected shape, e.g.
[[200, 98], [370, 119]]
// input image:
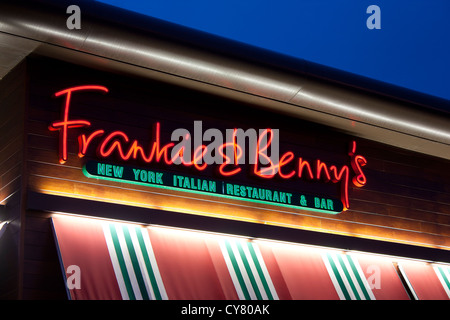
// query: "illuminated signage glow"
[[119, 144], [220, 188]]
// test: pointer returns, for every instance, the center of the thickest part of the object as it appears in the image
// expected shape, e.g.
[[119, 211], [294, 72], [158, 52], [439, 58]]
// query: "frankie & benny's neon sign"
[[287, 166]]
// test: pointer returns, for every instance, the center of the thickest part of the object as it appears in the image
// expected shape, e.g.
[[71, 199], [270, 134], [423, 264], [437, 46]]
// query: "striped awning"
[[114, 260], [427, 281]]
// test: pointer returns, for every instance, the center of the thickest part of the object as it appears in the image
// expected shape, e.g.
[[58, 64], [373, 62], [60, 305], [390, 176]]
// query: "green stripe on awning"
[[136, 266], [237, 271], [148, 264], [121, 259], [443, 273], [135, 263], [347, 276], [249, 270], [260, 271], [338, 277], [358, 277], [250, 274]]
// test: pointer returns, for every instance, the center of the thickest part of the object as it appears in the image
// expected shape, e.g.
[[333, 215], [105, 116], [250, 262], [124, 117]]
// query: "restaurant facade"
[[144, 160]]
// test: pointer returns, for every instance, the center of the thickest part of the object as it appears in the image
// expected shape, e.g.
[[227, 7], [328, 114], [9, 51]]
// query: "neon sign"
[[215, 187], [287, 166]]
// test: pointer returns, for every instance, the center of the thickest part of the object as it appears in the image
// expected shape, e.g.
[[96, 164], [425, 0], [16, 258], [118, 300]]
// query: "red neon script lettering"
[[118, 143], [65, 124], [83, 142], [261, 153], [237, 151], [357, 162]]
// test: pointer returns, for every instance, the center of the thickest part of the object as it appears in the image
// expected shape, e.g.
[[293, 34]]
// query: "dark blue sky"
[[411, 50]]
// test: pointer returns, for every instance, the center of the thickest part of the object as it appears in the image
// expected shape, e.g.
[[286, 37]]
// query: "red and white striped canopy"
[[116, 260]]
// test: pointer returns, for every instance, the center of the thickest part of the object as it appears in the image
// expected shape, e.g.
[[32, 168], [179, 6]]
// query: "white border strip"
[[115, 262]]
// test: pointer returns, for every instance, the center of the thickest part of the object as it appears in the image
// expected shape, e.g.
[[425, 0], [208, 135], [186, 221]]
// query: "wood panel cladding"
[[12, 123], [12, 118], [406, 199]]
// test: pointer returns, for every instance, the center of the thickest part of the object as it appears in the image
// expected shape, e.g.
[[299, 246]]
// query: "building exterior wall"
[[13, 98], [406, 199]]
